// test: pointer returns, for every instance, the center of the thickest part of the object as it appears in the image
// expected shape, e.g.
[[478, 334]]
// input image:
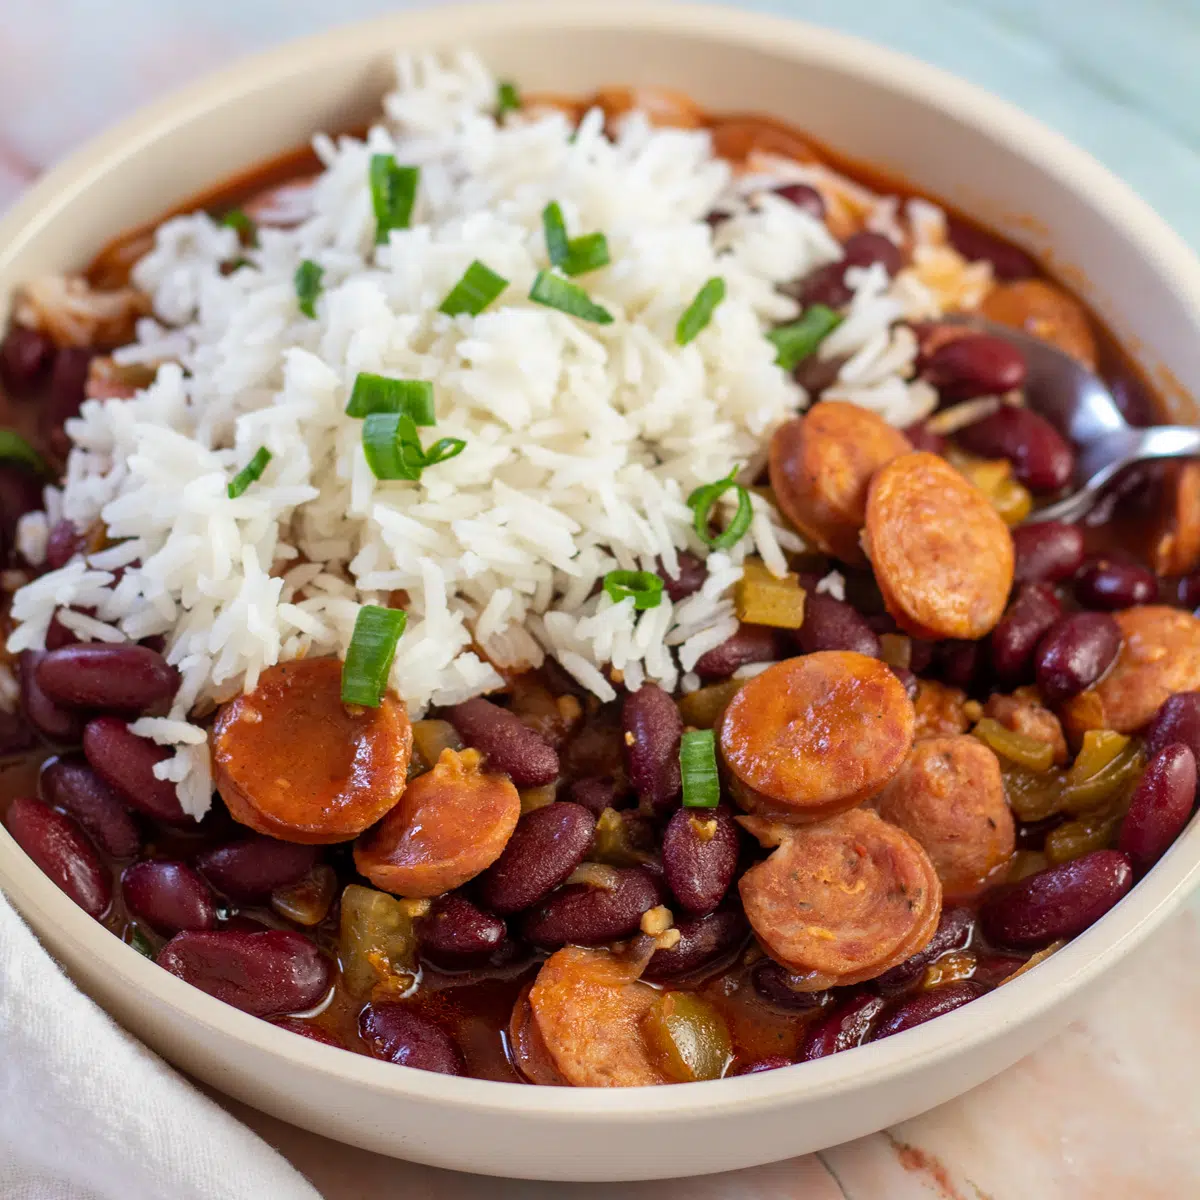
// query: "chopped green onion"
[[588, 252], [558, 245], [556, 292], [444, 449], [141, 943], [369, 658], [250, 472], [795, 342], [379, 394], [14, 448], [701, 502], [393, 450], [307, 282], [698, 766], [508, 99], [393, 193], [477, 288], [645, 587], [698, 314], [237, 219]]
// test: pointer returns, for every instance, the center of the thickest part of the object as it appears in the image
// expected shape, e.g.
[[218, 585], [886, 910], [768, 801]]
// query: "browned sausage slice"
[[530, 1054], [1160, 655], [292, 761], [940, 710], [820, 467], [1023, 713], [735, 138], [588, 1008], [1045, 311], [842, 901], [942, 556], [949, 795], [816, 734], [1177, 548], [451, 823]]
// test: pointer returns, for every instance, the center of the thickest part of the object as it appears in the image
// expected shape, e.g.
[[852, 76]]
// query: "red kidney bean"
[[397, 1033], [849, 1025], [52, 722], [955, 930], [865, 249], [25, 357], [70, 784], [68, 380], [700, 856], [455, 930], [1160, 806], [991, 970], [124, 678], [653, 729], [773, 983], [508, 745], [692, 574], [704, 942], [168, 896], [805, 197], [16, 734], [1028, 619], [923, 438], [831, 624], [1104, 583], [583, 915], [254, 867], [546, 846], [1177, 720], [1075, 653], [596, 794], [268, 974], [916, 1010], [815, 374], [58, 635], [127, 762], [1008, 261], [975, 365], [824, 285], [1059, 902], [763, 1064], [307, 1029], [62, 851], [958, 663], [1047, 552], [864, 596], [909, 680], [62, 544], [1041, 458], [20, 493], [751, 644]]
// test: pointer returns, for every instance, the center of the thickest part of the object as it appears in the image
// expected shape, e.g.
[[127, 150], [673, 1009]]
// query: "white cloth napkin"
[[88, 1113]]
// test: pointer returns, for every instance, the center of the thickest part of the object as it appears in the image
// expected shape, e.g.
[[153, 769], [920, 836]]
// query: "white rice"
[[582, 441]]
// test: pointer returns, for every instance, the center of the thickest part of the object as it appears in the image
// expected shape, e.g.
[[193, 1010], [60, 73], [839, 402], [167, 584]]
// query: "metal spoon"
[[1080, 406]]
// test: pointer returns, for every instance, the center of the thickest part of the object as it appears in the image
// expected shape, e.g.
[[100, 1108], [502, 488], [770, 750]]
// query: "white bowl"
[[944, 136]]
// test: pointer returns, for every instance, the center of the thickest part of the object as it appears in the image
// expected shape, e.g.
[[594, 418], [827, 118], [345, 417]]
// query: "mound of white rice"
[[583, 441]]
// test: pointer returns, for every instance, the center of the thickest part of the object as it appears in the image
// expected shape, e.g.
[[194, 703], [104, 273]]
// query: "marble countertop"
[[1109, 1109]]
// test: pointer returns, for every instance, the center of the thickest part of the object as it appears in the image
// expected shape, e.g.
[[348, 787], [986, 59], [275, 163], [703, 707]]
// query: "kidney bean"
[[584, 915], [823, 285], [455, 929], [268, 974], [700, 856], [1048, 552], [1029, 617], [923, 438], [954, 932], [916, 1010], [52, 722], [653, 729], [692, 574], [1041, 458], [509, 746], [58, 635], [124, 678], [849, 1025], [596, 794], [20, 493], [62, 544], [815, 374], [60, 848], [975, 365], [751, 644], [254, 867], [865, 249], [909, 680], [772, 982], [1008, 262], [1109, 585], [70, 784], [1177, 720], [805, 197], [307, 1029], [831, 624], [16, 734], [957, 662], [773, 1063], [1059, 902], [703, 942], [25, 357], [127, 762], [1075, 653], [65, 394], [991, 970], [1160, 806], [168, 896], [397, 1033]]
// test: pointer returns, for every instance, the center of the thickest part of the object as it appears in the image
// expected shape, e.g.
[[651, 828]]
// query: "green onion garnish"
[[393, 448], [369, 658], [576, 256], [698, 314], [701, 502], [477, 288], [698, 766], [307, 281], [393, 193], [141, 943], [645, 587], [556, 292], [14, 448], [249, 473], [795, 342], [247, 231], [379, 394], [558, 245], [508, 99]]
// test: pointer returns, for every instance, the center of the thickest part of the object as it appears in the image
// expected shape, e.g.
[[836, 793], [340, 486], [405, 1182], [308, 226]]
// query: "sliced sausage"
[[588, 1008], [735, 138], [451, 823], [1023, 714], [949, 796], [530, 1055], [820, 467], [1159, 656], [816, 734], [1176, 550], [940, 710], [842, 901], [292, 761], [942, 556], [1047, 312]]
